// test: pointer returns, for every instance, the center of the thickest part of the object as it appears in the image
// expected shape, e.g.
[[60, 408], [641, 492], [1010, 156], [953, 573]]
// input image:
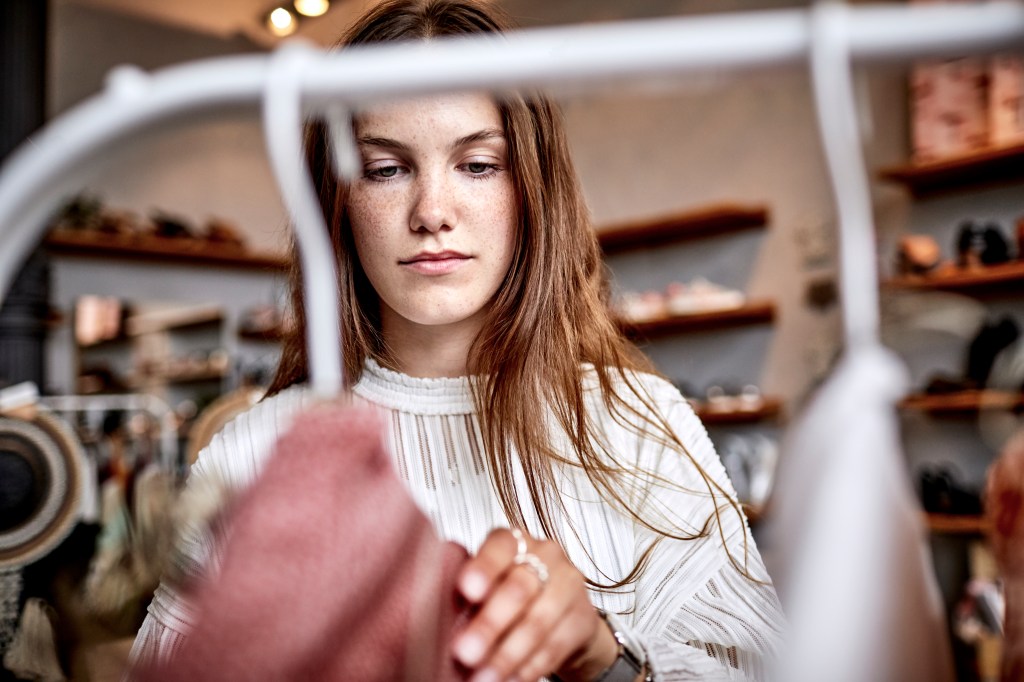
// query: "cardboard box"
[[948, 104], [949, 108], [1006, 100]]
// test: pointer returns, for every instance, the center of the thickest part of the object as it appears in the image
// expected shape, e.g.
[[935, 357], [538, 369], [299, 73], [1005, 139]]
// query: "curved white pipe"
[[836, 107], [282, 123]]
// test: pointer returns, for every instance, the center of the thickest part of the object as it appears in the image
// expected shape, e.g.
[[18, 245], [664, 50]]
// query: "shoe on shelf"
[[918, 254], [986, 345], [637, 308], [943, 493], [979, 245], [700, 296]]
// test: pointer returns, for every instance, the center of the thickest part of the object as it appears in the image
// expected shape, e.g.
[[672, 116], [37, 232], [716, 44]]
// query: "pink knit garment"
[[330, 570]]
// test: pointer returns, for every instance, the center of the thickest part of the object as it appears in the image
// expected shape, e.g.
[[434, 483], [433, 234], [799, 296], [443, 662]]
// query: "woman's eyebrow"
[[384, 142], [479, 136]]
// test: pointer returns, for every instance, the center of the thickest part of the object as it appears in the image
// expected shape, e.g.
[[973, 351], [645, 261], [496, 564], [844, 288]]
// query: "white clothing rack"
[[297, 82], [49, 168], [133, 402]]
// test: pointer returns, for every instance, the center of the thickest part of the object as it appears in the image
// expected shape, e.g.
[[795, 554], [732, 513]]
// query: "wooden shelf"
[[158, 249], [703, 222], [170, 321], [195, 377], [755, 312], [1002, 164], [275, 335], [963, 402], [1005, 276], [192, 377], [112, 342], [770, 408], [956, 524]]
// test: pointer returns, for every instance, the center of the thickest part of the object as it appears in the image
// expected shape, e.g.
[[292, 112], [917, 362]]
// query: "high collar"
[[416, 395]]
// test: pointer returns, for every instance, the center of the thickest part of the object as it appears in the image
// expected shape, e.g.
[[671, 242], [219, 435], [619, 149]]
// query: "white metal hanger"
[[836, 108], [282, 124]]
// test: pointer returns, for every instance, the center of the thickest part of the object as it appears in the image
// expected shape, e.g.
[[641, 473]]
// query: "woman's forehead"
[[455, 113]]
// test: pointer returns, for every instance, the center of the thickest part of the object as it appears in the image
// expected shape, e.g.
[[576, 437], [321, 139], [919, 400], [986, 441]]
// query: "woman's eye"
[[480, 169], [384, 172]]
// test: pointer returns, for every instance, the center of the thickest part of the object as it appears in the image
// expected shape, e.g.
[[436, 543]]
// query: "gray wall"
[[747, 140]]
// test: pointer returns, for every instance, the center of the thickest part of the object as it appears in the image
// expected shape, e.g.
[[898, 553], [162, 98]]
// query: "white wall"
[[210, 168]]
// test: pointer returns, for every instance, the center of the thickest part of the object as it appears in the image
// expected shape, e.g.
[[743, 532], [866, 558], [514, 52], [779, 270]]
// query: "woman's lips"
[[436, 263]]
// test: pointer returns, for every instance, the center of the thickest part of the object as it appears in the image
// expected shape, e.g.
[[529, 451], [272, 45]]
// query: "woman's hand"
[[527, 627]]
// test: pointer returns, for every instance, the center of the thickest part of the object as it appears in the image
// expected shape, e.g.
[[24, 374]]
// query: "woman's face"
[[433, 213]]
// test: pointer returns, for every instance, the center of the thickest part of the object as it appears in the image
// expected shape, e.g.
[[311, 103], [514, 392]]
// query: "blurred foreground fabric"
[[330, 570], [860, 588]]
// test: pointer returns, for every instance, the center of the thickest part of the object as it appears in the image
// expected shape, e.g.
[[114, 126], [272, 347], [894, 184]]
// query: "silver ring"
[[521, 548], [533, 562]]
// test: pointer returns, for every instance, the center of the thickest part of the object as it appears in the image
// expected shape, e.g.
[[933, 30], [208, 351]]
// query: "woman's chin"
[[457, 316]]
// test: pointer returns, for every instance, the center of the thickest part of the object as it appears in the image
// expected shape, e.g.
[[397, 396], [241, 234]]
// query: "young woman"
[[474, 307]]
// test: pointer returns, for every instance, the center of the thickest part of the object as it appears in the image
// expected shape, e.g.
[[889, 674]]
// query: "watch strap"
[[631, 660]]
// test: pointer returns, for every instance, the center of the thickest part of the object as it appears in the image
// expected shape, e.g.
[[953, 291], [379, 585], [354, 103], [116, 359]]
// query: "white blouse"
[[693, 612]]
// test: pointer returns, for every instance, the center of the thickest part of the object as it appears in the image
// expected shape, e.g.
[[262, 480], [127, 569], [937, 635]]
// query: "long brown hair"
[[549, 321]]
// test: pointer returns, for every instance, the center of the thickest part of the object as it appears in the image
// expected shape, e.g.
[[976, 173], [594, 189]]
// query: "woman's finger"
[[478, 577], [560, 642], [507, 603], [528, 639], [534, 615]]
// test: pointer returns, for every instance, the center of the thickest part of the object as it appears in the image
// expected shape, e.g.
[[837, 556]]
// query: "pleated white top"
[[692, 611]]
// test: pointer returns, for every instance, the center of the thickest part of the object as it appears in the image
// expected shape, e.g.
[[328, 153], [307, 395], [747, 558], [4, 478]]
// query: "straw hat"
[[216, 416], [42, 472]]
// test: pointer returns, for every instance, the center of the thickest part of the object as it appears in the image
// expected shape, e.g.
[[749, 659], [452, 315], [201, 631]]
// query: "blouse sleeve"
[[705, 608]]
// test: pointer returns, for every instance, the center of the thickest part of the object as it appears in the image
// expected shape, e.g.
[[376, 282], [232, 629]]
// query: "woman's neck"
[[429, 351]]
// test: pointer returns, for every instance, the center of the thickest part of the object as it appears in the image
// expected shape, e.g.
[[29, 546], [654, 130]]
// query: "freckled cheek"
[[497, 209], [369, 229], [506, 220]]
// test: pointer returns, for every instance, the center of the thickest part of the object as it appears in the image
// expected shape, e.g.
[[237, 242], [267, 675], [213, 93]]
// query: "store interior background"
[[645, 151]]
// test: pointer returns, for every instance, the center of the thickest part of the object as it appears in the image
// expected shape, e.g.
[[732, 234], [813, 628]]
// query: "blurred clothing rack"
[[170, 459]]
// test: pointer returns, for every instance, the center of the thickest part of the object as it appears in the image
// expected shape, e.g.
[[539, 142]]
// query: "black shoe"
[[996, 247], [987, 344], [942, 493]]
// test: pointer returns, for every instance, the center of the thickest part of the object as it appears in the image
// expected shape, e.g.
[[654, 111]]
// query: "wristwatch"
[[631, 660]]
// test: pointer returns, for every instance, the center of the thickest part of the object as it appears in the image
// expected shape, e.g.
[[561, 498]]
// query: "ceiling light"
[[311, 8], [281, 22]]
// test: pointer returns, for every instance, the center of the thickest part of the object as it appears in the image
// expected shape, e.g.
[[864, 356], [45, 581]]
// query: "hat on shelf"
[[42, 469], [216, 416]]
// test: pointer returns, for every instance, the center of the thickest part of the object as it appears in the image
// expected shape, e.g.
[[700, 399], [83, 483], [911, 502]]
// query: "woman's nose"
[[433, 210]]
